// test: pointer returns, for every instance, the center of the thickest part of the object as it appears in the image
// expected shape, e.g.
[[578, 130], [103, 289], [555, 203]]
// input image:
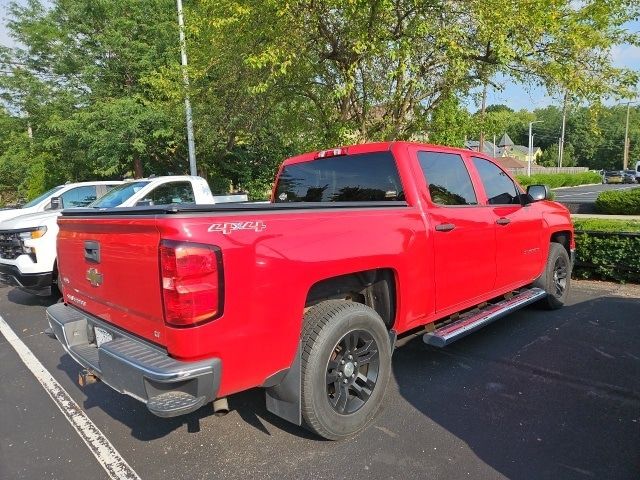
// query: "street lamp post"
[[531, 146], [187, 103], [625, 154]]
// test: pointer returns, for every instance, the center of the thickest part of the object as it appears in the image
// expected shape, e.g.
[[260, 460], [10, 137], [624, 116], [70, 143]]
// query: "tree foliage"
[[100, 84]]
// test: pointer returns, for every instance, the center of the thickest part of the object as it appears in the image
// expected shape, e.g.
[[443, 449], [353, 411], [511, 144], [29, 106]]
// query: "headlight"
[[35, 232]]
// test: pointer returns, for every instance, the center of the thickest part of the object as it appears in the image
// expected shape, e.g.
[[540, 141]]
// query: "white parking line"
[[115, 466]]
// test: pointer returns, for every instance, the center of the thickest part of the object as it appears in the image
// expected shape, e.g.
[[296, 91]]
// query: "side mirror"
[[57, 203], [538, 192]]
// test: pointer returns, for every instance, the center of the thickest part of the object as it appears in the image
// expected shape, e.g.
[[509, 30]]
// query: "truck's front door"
[[519, 255], [462, 231]]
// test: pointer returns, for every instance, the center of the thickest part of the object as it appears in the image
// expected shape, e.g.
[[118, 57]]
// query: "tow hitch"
[[87, 377]]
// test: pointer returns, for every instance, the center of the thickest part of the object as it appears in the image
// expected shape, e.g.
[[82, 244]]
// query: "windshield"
[[37, 200], [118, 195]]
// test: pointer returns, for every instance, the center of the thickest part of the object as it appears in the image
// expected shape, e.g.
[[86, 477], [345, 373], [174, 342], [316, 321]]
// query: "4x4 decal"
[[228, 227]]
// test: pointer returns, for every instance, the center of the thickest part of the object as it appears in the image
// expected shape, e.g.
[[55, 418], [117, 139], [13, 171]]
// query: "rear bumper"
[[134, 367], [35, 283]]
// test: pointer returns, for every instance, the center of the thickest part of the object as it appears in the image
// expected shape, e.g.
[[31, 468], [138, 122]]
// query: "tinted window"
[[176, 192], [346, 178], [448, 178], [498, 186], [37, 200], [79, 197], [117, 195]]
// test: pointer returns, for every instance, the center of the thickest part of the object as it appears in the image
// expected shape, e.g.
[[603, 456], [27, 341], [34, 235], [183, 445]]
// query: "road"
[[537, 395], [587, 193]]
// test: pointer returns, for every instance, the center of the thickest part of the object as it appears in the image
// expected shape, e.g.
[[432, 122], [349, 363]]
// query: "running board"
[[474, 320]]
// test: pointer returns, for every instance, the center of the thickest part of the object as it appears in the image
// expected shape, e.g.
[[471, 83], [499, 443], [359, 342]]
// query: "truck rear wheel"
[[346, 363], [556, 278]]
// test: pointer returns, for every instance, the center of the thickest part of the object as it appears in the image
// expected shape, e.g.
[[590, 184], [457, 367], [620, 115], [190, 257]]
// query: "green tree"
[[81, 78]]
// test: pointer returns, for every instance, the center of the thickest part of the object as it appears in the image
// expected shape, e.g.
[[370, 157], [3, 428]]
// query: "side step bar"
[[476, 319]]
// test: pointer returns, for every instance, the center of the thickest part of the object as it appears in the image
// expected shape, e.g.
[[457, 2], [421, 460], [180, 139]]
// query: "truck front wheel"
[[556, 278], [346, 363]]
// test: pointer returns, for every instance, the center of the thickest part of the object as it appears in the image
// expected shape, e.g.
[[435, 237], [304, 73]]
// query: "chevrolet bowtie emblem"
[[94, 277]]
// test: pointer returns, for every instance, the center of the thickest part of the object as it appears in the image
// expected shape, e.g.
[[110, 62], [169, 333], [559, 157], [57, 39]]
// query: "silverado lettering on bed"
[[361, 249]]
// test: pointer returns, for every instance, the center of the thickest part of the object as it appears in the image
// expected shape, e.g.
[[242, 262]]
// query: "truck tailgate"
[[109, 268]]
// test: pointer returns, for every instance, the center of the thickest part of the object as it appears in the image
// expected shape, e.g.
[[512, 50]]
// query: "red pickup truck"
[[361, 248]]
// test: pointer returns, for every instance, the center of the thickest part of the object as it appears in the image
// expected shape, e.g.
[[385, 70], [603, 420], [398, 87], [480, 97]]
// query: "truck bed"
[[228, 207]]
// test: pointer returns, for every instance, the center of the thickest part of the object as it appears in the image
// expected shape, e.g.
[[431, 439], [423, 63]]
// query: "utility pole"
[[559, 153], [187, 104], [482, 110], [564, 121], [531, 146], [625, 159], [494, 145]]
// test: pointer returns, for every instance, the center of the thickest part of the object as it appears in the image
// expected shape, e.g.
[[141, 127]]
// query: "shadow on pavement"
[[249, 405], [539, 394], [535, 395], [17, 296]]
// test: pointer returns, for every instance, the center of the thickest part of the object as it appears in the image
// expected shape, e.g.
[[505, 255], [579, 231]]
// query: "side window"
[[79, 197], [176, 192], [498, 186], [448, 179]]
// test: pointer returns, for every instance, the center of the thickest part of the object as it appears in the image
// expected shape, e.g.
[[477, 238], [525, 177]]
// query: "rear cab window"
[[345, 178]]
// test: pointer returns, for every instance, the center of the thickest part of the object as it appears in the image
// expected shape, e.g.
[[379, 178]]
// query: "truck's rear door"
[[109, 268]]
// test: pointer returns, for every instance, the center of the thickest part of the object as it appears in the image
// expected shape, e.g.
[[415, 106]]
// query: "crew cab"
[[28, 243], [361, 249]]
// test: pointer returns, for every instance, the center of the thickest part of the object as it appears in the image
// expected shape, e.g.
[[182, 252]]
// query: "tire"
[[556, 278], [332, 408]]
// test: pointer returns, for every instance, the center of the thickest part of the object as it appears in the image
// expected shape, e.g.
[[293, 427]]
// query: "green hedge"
[[555, 180], [603, 251], [619, 202]]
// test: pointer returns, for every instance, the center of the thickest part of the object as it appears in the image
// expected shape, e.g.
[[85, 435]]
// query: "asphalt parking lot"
[[587, 193], [536, 395]]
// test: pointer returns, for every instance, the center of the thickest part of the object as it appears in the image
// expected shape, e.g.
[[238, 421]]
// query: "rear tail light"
[[192, 282]]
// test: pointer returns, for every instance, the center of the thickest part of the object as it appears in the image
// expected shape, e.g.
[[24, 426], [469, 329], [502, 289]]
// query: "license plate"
[[102, 336]]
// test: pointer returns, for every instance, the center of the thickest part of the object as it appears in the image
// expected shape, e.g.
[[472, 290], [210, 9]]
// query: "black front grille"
[[10, 245]]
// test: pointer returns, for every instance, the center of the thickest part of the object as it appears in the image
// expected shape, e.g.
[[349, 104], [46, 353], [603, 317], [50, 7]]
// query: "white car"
[[72, 194], [28, 242]]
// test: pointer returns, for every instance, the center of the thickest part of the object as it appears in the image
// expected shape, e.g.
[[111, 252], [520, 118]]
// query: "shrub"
[[619, 202], [607, 249], [555, 180]]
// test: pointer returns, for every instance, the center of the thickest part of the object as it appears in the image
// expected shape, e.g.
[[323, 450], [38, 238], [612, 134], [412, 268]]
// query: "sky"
[[512, 94]]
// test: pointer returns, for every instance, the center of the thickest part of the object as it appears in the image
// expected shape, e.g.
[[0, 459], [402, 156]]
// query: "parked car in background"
[[28, 243], [73, 194], [613, 176], [629, 176]]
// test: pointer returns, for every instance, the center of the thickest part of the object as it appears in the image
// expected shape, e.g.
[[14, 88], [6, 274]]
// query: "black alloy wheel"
[[352, 372]]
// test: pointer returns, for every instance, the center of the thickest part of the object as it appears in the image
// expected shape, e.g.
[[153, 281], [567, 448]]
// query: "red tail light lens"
[[191, 282]]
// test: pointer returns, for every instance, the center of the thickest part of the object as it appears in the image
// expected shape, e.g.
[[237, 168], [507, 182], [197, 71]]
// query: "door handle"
[[503, 221], [92, 251], [445, 227]]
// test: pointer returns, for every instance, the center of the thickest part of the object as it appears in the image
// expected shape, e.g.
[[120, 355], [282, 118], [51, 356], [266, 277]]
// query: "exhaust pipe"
[[87, 377], [220, 407]]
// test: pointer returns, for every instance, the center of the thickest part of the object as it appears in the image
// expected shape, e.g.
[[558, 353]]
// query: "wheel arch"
[[563, 237], [375, 288]]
